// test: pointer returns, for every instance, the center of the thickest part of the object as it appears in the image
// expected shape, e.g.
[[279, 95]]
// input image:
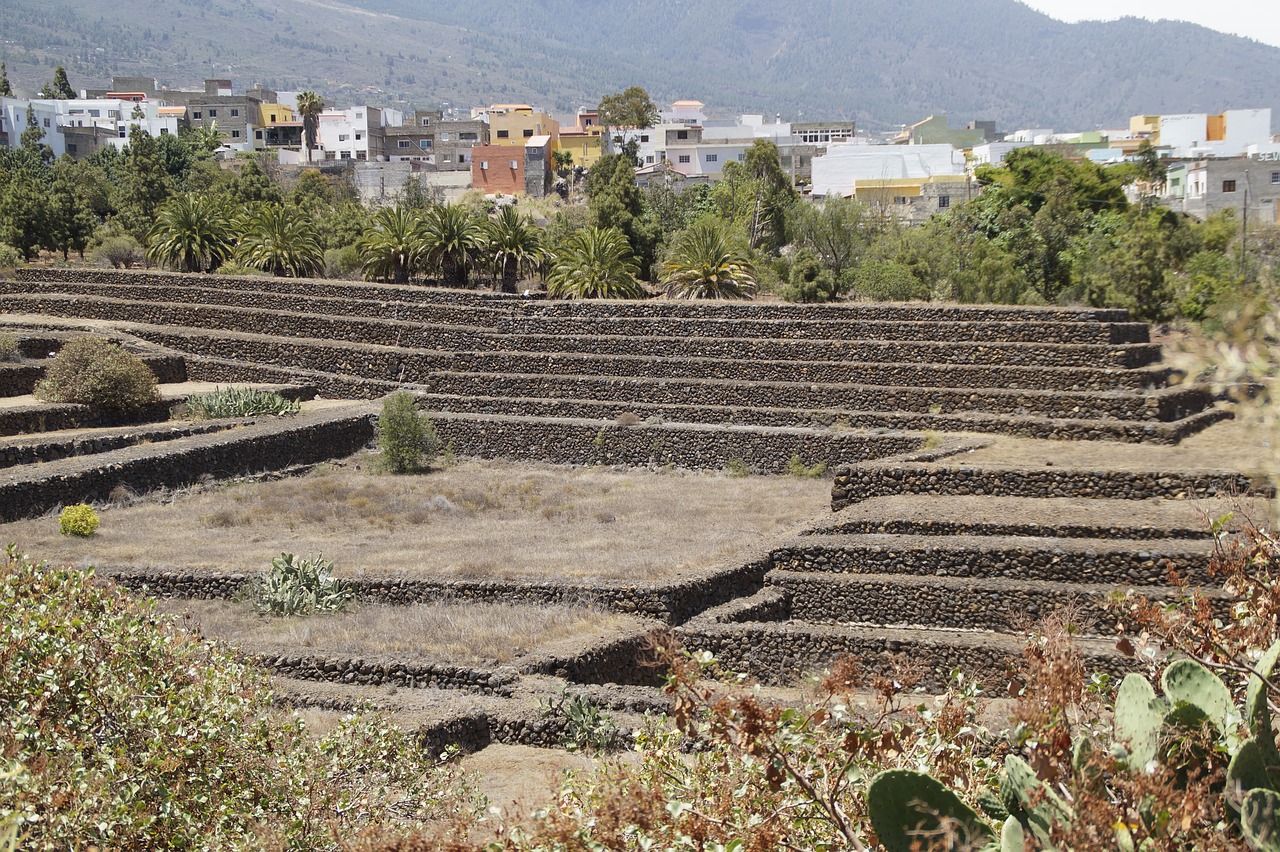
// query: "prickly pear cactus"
[[1260, 819], [1012, 837], [1246, 771], [1188, 682], [1258, 713], [1038, 806], [1139, 715], [904, 804]]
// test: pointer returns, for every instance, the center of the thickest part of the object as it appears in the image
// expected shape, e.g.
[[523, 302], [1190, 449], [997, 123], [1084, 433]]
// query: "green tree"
[[614, 201], [192, 233], [6, 91], [59, 88], [809, 279], [393, 248], [512, 244], [141, 185], [72, 220], [835, 229], [407, 439], [25, 221], [452, 238], [594, 263], [757, 194], [630, 108], [709, 260], [252, 185], [310, 105], [281, 240]]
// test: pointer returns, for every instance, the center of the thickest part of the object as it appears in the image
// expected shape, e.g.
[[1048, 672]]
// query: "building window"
[[742, 158], [682, 134], [684, 158], [467, 137], [235, 112], [901, 199], [195, 116], [649, 159], [343, 137], [359, 137], [402, 143], [444, 137], [424, 143], [713, 158], [346, 155], [502, 134], [235, 134], [164, 131], [213, 113], [359, 115], [426, 122], [257, 134], [95, 112], [528, 133], [644, 137], [1228, 186], [273, 116], [123, 133], [46, 122], [462, 158], [71, 148], [1275, 177], [944, 201]]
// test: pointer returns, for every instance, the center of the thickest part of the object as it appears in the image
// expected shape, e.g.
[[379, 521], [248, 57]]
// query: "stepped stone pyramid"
[[693, 384]]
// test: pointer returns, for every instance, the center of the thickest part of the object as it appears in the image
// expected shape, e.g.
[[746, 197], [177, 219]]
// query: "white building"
[[355, 133], [111, 117]]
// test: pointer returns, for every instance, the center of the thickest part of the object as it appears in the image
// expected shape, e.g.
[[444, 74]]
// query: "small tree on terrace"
[[709, 260], [595, 263], [393, 248], [281, 240], [513, 242], [452, 237]]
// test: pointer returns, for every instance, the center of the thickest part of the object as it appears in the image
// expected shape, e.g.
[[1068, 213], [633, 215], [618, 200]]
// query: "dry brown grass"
[[456, 632], [473, 520]]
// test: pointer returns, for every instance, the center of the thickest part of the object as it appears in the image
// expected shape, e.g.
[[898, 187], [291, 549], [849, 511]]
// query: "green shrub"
[[10, 257], [94, 371], [119, 252], [239, 402], [79, 519], [135, 734], [298, 586], [407, 438], [797, 467], [586, 726], [737, 467], [9, 347], [342, 262]]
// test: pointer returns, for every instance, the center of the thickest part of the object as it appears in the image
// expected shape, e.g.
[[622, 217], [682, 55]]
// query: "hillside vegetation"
[[880, 62]]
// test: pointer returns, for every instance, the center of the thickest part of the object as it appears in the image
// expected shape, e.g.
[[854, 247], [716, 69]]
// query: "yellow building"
[[583, 141], [516, 124]]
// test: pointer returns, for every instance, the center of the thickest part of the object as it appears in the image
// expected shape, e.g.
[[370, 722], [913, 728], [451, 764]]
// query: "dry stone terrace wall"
[[672, 602], [856, 483], [783, 653], [33, 450], [306, 439]]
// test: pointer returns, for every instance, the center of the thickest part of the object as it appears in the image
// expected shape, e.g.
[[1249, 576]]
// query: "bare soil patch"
[[458, 633], [471, 520]]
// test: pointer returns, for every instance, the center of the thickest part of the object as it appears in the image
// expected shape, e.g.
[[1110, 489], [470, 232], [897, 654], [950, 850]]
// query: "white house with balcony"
[[108, 120]]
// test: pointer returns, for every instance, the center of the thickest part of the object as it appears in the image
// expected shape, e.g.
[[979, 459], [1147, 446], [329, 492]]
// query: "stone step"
[[298, 300], [698, 446], [1162, 405], [855, 483], [1049, 331], [415, 364], [254, 320], [48, 447], [786, 652], [1075, 560], [276, 443], [1043, 354], [983, 603], [1037, 427], [996, 515]]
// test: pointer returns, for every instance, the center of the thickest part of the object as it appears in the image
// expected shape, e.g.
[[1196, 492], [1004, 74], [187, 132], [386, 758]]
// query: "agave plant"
[[595, 263], [709, 261], [281, 240], [452, 237], [192, 233], [393, 248]]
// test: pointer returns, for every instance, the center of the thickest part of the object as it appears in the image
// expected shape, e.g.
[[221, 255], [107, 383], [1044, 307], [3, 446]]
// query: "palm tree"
[[310, 105], [709, 260], [282, 241], [192, 233], [512, 242], [595, 263], [393, 248], [453, 238]]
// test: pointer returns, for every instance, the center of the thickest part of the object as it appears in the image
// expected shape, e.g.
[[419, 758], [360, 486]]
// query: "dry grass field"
[[470, 520], [458, 633]]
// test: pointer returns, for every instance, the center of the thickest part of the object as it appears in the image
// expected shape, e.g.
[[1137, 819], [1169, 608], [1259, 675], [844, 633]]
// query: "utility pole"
[[1244, 223]]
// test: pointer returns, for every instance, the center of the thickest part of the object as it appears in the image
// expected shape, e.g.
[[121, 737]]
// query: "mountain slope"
[[883, 62]]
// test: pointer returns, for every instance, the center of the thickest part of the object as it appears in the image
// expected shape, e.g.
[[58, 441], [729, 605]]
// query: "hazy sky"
[[1258, 19]]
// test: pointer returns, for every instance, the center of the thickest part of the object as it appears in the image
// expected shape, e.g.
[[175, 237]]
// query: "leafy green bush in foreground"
[[123, 731], [95, 372]]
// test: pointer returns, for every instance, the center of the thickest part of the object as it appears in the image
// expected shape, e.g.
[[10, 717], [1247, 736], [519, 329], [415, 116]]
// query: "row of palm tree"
[[199, 233]]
